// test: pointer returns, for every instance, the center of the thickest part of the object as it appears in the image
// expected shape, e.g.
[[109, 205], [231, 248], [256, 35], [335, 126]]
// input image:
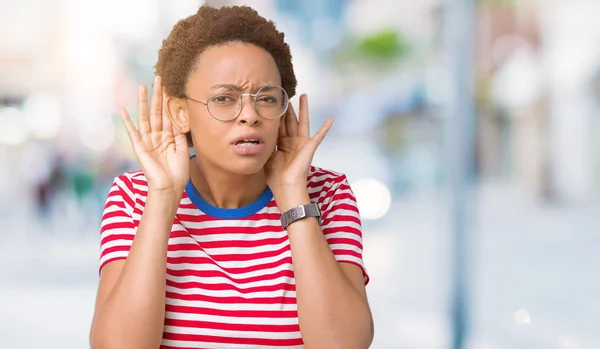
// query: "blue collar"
[[228, 213]]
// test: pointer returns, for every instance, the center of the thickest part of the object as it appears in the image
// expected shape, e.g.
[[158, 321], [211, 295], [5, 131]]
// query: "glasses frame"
[[241, 103]]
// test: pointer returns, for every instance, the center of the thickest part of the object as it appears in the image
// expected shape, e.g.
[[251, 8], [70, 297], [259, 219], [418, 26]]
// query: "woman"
[[244, 244]]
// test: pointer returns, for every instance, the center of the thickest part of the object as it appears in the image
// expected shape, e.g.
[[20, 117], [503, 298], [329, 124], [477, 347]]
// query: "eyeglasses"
[[226, 102]]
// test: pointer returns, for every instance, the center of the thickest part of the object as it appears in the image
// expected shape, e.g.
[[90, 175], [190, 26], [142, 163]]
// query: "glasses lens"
[[271, 101], [224, 104]]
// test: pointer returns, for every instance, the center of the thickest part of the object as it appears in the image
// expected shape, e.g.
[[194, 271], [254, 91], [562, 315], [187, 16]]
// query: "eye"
[[222, 99], [266, 99]]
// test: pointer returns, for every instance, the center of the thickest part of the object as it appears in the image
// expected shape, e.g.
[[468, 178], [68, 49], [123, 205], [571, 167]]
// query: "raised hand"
[[161, 150], [287, 169]]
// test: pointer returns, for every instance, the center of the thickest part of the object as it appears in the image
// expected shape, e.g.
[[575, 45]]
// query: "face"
[[247, 68]]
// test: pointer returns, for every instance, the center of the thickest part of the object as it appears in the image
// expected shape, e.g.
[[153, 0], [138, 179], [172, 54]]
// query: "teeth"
[[248, 142]]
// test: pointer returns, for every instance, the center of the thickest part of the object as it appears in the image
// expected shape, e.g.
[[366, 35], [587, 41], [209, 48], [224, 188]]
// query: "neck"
[[225, 190]]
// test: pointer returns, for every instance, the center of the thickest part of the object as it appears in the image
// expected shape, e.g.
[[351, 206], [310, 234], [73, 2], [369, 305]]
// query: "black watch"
[[300, 212]]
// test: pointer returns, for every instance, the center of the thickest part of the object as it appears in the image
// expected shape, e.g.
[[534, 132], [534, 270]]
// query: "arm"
[[130, 303], [332, 304]]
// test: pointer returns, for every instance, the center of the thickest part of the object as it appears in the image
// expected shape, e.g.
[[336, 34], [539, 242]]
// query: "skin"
[[333, 310]]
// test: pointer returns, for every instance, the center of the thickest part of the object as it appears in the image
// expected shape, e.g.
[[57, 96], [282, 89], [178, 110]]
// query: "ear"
[[177, 112]]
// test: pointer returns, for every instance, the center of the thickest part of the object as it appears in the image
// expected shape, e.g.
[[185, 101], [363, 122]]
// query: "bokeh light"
[[13, 129], [373, 198], [523, 317], [43, 115]]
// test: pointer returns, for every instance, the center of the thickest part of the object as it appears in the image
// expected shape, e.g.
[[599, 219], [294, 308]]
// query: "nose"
[[248, 114]]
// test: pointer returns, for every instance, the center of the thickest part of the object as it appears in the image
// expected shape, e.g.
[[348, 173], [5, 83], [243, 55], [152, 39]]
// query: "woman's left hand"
[[287, 168]]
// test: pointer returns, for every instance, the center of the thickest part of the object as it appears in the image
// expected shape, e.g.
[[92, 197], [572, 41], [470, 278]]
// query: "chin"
[[247, 166]]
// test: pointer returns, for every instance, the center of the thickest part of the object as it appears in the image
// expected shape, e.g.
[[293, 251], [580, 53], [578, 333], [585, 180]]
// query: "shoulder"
[[325, 180], [131, 184], [332, 192]]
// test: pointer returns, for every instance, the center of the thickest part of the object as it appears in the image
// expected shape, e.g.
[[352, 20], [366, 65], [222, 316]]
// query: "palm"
[[287, 148], [295, 148], [161, 150]]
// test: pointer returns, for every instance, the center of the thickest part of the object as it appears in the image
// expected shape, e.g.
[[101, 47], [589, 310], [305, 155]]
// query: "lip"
[[249, 135]]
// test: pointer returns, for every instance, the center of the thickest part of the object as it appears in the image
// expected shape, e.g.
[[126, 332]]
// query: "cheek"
[[273, 132], [206, 133]]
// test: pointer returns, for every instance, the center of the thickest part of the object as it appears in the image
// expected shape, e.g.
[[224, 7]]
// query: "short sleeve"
[[117, 228], [341, 224]]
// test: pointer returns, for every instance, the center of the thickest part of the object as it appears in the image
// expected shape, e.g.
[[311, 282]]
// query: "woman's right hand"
[[160, 148]]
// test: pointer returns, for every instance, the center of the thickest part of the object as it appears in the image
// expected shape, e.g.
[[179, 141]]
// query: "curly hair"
[[211, 27], [217, 26]]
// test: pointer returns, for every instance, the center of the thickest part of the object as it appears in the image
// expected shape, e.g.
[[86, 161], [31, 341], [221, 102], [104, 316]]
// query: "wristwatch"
[[300, 212]]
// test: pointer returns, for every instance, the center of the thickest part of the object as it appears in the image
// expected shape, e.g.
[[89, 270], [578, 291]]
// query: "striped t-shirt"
[[230, 279]]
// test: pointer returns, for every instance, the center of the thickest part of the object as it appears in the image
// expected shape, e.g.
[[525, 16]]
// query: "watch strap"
[[300, 212]]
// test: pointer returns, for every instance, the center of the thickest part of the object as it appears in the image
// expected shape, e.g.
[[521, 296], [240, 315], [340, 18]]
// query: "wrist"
[[290, 197], [158, 213], [168, 198]]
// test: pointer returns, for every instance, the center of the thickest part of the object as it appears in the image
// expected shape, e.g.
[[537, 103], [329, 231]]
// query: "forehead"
[[241, 64]]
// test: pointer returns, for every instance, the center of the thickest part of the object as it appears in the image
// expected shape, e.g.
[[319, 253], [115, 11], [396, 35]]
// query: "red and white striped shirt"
[[230, 278]]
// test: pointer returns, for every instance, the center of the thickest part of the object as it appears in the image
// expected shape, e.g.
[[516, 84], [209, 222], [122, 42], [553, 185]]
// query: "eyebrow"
[[214, 87], [238, 88]]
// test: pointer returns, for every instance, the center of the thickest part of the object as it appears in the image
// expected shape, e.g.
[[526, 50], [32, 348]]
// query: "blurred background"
[[508, 224]]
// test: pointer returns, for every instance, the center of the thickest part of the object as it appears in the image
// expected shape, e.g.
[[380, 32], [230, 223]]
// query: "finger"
[[156, 105], [142, 117], [132, 132], [291, 121], [303, 123], [320, 135], [282, 128], [166, 121]]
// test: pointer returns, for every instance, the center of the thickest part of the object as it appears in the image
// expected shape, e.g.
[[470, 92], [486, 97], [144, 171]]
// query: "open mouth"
[[248, 142]]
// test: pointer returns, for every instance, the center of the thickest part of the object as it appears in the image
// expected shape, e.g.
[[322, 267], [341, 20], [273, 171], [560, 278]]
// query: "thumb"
[[181, 141], [270, 162]]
